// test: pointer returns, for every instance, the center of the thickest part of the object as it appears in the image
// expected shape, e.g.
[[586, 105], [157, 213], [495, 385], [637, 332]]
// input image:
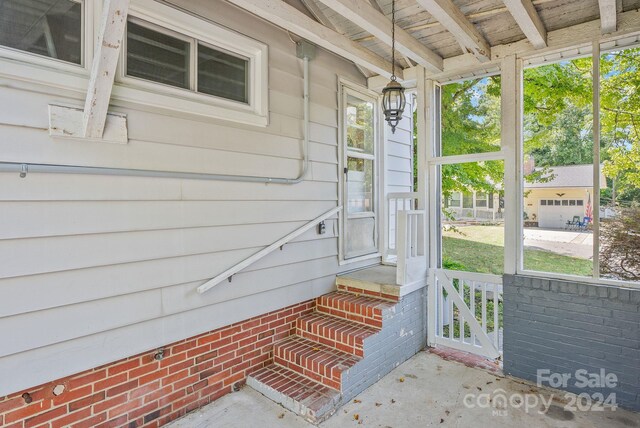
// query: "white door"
[[554, 213], [360, 174]]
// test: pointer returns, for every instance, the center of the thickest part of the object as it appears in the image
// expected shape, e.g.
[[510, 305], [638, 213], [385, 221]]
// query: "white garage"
[[554, 213]]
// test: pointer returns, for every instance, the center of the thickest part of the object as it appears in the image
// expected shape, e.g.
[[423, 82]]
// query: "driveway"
[[566, 242]]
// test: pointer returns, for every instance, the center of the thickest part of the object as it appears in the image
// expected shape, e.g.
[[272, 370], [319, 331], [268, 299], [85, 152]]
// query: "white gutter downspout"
[[304, 50]]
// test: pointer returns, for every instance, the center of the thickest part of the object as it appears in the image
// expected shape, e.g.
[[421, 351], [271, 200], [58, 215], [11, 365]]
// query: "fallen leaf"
[[357, 401], [488, 383], [446, 412], [281, 415], [441, 420], [315, 349], [411, 376], [378, 404], [479, 389], [401, 379], [393, 401], [356, 416]]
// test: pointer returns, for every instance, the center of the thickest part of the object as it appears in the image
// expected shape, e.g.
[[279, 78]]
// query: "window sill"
[[53, 77]]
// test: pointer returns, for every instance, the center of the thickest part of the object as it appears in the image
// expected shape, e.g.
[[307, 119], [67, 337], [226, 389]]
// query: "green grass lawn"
[[481, 249]]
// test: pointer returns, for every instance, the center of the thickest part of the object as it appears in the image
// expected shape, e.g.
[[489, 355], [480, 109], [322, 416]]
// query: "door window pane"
[[360, 130], [222, 74], [51, 28], [359, 185], [156, 56]]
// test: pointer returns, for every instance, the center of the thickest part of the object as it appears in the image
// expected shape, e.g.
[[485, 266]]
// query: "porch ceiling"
[[447, 29]]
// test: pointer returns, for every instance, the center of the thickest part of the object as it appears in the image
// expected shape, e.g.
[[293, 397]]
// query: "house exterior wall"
[[99, 268], [144, 391], [563, 327]]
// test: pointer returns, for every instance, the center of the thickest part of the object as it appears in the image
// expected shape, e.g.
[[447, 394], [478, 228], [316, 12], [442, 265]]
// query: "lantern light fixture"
[[393, 98]]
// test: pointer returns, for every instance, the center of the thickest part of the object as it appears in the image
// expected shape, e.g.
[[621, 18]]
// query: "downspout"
[[304, 50]]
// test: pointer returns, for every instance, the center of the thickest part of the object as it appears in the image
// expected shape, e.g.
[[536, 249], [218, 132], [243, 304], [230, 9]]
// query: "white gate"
[[465, 311]]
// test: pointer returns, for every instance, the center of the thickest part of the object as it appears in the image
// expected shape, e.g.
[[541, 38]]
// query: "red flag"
[[589, 209]]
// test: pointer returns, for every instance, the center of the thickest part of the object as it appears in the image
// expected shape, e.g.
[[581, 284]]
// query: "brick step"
[[310, 399], [314, 360], [335, 332], [361, 309]]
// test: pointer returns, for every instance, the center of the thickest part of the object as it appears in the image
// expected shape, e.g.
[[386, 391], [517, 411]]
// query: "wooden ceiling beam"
[[291, 19], [529, 21], [608, 15], [369, 19], [452, 18]]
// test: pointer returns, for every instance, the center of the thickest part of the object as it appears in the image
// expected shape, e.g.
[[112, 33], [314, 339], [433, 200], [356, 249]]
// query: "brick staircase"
[[348, 343]]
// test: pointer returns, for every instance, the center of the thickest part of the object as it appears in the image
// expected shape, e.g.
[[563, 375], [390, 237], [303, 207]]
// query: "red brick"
[[197, 386], [177, 367], [91, 422], [250, 324], [113, 423], [123, 367], [183, 383], [124, 408], [159, 393], [117, 390], [25, 412], [87, 401], [144, 390], [143, 410], [175, 377], [71, 395], [233, 379], [209, 338], [153, 376], [219, 376], [110, 381], [87, 379], [109, 404], [200, 367], [230, 331], [181, 347], [172, 397], [45, 417], [65, 421], [174, 359], [141, 371], [11, 404], [206, 356]]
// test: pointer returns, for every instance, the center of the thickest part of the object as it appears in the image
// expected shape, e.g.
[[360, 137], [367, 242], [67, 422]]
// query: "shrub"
[[620, 245]]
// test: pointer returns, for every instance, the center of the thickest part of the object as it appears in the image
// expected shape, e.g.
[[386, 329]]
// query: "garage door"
[[554, 213]]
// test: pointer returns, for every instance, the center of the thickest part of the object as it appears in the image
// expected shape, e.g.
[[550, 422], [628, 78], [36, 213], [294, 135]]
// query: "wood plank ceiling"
[[448, 28]]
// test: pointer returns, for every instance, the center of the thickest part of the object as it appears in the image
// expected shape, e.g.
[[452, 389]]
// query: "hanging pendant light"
[[393, 99]]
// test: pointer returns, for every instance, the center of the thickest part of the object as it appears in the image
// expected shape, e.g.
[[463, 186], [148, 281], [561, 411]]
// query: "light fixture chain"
[[393, 40]]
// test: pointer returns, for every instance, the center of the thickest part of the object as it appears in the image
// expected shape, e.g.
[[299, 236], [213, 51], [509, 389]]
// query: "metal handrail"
[[227, 274]]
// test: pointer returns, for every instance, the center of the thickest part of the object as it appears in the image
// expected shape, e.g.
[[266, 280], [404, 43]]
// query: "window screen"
[[51, 28], [222, 74], [157, 56]]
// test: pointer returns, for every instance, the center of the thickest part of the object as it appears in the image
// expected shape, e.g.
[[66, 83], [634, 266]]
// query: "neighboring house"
[[567, 195], [475, 206]]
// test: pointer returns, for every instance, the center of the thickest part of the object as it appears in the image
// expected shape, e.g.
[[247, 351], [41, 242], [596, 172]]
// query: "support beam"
[[103, 70], [452, 18], [608, 22], [289, 18], [320, 16], [366, 17], [529, 21]]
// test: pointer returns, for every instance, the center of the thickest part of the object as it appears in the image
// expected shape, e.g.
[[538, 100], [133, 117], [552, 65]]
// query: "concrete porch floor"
[[424, 391]]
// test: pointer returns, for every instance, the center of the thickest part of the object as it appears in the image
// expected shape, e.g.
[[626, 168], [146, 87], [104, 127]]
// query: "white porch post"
[[511, 125], [427, 186]]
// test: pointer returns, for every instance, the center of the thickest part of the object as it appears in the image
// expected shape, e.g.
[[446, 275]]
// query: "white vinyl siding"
[[97, 268]]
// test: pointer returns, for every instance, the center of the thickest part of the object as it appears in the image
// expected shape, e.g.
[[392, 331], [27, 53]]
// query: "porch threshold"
[[378, 281]]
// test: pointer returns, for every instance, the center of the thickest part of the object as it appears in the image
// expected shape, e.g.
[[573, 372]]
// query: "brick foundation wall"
[[566, 326], [142, 391]]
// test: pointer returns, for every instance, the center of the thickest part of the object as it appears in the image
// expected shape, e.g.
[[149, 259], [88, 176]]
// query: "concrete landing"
[[424, 391], [376, 281]]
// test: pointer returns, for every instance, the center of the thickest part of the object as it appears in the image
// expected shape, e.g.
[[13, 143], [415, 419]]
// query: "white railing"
[[227, 274], [475, 213], [396, 202], [411, 247], [465, 311]]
